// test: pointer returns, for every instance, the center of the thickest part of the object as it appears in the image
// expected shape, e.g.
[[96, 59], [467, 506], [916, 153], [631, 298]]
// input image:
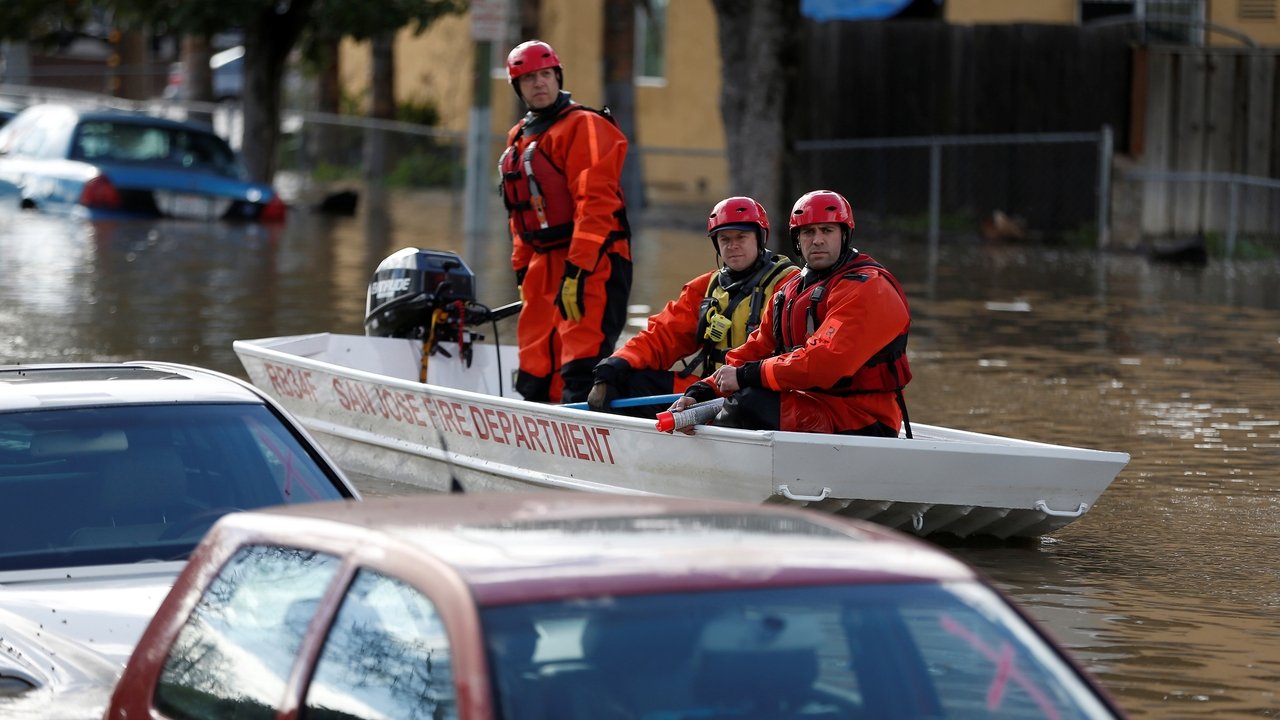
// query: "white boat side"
[[361, 398]]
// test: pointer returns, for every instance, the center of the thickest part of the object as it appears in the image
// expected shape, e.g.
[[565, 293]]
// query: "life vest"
[[744, 317], [536, 192], [799, 311]]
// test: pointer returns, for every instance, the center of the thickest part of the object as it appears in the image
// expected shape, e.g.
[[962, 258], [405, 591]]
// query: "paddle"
[[631, 402]]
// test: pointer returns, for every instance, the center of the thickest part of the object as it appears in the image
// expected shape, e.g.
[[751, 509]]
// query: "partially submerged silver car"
[[109, 476]]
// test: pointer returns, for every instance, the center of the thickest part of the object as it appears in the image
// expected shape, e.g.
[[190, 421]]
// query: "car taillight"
[[273, 211], [100, 193]]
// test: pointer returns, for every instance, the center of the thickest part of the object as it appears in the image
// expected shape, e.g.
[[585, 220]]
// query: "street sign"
[[489, 20]]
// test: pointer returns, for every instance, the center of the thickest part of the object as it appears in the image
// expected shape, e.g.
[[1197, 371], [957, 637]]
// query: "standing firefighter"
[[714, 313], [561, 176]]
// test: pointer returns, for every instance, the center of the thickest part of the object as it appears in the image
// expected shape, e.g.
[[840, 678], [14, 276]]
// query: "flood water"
[[1167, 590]]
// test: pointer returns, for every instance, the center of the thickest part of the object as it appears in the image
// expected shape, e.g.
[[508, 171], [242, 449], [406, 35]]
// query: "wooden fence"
[[876, 80], [1171, 109], [1206, 111]]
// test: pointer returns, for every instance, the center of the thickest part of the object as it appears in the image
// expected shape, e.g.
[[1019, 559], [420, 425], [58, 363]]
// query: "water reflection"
[[1167, 588]]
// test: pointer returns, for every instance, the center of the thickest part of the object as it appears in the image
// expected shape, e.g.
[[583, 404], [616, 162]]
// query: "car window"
[[122, 484], [106, 141], [386, 656], [233, 655], [900, 650]]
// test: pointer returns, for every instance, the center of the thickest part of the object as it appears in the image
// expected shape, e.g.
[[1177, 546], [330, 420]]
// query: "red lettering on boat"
[[290, 382]]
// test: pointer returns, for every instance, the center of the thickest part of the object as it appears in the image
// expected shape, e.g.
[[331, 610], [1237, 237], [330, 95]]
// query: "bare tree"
[[758, 50]]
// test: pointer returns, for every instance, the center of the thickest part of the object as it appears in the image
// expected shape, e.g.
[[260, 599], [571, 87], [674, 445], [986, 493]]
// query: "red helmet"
[[738, 213], [530, 57], [821, 206]]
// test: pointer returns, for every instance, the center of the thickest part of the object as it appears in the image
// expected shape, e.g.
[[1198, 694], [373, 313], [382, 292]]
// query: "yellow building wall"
[[981, 12], [434, 66], [1227, 13]]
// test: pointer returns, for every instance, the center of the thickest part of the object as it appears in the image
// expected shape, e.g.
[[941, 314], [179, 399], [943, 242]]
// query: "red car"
[[562, 606]]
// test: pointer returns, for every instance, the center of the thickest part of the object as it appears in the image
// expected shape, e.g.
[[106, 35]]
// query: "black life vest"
[[798, 311], [536, 192]]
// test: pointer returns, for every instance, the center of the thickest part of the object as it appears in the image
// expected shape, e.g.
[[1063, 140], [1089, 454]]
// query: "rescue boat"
[[401, 404]]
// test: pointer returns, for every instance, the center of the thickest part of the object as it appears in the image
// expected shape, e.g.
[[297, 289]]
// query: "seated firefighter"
[[830, 355], [714, 313]]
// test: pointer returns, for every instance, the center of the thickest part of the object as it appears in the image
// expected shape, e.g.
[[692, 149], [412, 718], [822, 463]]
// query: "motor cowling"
[[407, 288]]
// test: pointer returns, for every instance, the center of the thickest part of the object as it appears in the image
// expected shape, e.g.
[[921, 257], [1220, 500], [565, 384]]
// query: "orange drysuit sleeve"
[[671, 334]]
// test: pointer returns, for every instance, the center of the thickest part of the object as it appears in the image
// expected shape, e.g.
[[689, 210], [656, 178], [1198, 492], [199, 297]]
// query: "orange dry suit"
[[829, 355], [642, 366], [561, 184]]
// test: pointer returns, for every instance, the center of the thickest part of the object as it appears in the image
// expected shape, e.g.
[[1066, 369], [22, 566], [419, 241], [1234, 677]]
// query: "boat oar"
[[632, 402]]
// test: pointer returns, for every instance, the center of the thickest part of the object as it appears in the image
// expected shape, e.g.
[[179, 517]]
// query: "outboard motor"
[[410, 285]]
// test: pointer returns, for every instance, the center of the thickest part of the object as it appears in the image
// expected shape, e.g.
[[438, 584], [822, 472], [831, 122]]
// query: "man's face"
[[539, 88], [738, 248], [820, 244]]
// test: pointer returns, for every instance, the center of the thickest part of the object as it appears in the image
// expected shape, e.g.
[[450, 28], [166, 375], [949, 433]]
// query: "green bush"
[[422, 112], [422, 170]]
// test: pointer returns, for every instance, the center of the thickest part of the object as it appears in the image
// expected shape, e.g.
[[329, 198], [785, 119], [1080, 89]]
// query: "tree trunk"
[[267, 43], [620, 91], [324, 139], [197, 81], [136, 83], [382, 105], [758, 57], [328, 82]]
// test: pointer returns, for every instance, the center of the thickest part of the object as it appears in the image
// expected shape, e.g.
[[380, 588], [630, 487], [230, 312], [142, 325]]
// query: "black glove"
[[701, 391], [520, 281], [610, 374], [749, 375], [569, 299]]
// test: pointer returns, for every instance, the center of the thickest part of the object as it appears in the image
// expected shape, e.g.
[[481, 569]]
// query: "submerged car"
[[109, 476], [111, 164], [565, 606], [8, 109]]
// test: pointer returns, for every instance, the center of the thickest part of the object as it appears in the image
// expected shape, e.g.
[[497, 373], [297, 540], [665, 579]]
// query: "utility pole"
[[488, 25]]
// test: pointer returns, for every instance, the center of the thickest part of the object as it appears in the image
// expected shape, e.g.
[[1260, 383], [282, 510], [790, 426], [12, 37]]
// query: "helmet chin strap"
[[846, 242]]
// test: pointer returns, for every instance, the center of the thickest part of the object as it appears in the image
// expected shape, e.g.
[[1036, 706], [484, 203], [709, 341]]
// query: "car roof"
[[521, 547], [119, 115], [37, 387]]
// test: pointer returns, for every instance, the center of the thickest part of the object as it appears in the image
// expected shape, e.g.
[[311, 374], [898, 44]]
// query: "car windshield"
[[100, 486], [918, 650], [105, 141]]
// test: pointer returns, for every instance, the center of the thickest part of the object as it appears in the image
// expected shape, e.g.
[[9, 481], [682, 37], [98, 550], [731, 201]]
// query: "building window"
[[651, 39]]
